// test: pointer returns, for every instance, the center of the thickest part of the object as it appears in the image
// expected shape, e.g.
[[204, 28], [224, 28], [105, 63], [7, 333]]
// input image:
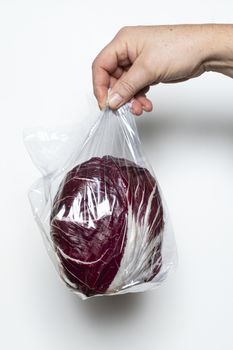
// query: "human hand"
[[141, 56]]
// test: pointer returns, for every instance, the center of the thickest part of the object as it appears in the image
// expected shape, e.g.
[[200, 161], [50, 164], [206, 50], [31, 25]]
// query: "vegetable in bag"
[[106, 225], [103, 215]]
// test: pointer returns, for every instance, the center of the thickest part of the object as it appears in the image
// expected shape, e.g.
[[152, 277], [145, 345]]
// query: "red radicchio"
[[107, 226]]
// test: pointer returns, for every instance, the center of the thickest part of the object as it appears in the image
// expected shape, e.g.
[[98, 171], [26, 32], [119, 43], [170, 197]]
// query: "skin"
[[141, 56]]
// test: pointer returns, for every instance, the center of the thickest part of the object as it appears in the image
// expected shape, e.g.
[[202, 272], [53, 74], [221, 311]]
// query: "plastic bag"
[[100, 208]]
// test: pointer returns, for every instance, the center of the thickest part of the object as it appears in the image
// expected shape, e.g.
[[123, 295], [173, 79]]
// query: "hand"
[[141, 56]]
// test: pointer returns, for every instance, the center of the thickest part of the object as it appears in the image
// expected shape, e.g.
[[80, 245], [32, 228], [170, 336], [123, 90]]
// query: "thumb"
[[129, 84]]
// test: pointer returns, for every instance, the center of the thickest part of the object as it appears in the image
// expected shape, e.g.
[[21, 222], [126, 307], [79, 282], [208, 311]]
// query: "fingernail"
[[101, 106], [131, 103], [102, 103], [114, 100]]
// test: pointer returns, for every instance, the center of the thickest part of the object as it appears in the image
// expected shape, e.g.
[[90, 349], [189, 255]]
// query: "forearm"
[[219, 49]]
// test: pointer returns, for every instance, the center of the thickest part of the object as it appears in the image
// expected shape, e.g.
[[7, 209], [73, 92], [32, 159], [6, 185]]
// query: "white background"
[[46, 50]]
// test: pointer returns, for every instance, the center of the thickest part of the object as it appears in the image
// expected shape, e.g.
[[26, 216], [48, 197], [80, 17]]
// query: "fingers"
[[102, 67], [140, 103], [129, 84], [145, 103], [127, 78], [112, 61]]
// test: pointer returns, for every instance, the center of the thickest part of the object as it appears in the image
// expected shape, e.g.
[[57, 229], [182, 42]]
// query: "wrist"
[[218, 50]]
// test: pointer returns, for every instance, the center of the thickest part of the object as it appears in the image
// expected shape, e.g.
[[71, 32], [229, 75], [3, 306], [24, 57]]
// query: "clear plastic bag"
[[100, 209]]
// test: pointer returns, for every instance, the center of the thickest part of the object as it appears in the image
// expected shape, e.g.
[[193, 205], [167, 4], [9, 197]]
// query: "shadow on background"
[[155, 125], [119, 307]]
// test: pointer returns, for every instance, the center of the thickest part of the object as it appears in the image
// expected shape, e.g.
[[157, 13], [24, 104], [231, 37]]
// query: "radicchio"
[[107, 226]]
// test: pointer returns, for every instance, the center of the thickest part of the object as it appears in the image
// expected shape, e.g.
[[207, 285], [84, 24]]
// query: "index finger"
[[104, 64]]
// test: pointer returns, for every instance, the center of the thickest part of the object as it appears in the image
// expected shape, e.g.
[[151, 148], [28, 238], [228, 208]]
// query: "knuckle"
[[128, 87], [124, 30], [94, 63]]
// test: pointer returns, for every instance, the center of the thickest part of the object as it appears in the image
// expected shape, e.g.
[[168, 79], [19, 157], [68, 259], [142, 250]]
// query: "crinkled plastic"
[[101, 211]]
